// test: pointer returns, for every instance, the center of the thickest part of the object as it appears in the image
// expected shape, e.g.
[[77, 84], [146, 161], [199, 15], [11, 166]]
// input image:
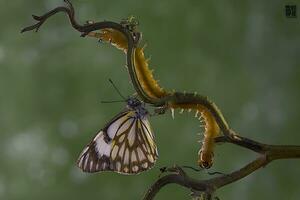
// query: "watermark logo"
[[291, 11]]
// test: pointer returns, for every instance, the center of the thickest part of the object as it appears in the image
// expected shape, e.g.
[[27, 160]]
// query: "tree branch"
[[268, 153]]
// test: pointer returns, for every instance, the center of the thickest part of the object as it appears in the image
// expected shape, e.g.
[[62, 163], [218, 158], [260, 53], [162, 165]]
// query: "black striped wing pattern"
[[126, 145]]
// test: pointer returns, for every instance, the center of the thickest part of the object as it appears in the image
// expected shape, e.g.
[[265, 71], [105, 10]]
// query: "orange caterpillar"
[[153, 90]]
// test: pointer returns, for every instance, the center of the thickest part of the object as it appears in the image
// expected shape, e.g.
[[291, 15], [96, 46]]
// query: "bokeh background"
[[243, 55]]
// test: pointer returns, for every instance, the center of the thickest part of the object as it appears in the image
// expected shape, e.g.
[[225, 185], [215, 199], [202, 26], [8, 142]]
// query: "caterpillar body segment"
[[145, 76], [114, 37], [181, 99], [211, 130]]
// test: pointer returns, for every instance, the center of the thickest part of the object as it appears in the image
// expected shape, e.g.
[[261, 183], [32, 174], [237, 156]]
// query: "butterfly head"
[[138, 106], [133, 103]]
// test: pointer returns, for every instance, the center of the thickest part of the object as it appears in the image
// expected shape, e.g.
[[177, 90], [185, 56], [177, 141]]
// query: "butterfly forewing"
[[126, 145]]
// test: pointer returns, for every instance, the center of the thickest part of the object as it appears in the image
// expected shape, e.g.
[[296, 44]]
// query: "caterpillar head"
[[205, 159]]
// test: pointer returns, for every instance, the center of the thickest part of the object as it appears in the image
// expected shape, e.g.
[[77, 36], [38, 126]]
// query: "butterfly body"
[[125, 145]]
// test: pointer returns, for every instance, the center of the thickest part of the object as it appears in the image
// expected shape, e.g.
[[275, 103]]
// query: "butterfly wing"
[[134, 149], [126, 145]]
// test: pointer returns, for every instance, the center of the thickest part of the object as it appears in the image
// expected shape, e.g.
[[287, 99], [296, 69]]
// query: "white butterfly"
[[125, 145]]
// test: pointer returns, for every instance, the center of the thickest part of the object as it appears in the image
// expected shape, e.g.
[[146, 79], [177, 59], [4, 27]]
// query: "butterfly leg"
[[160, 110]]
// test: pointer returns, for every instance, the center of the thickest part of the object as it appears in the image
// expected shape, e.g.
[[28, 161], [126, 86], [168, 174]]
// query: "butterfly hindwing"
[[96, 155], [91, 160]]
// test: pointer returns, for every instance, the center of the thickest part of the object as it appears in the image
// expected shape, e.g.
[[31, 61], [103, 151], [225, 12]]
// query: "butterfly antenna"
[[116, 89], [114, 101]]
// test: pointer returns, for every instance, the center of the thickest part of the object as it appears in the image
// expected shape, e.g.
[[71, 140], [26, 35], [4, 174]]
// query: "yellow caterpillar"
[[153, 90]]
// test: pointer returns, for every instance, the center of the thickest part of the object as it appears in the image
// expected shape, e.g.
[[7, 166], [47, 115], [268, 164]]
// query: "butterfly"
[[125, 145]]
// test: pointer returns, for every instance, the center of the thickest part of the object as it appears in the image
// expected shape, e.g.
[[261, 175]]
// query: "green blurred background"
[[243, 55]]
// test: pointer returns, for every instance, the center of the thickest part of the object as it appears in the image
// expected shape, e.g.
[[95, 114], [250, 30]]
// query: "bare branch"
[[268, 153]]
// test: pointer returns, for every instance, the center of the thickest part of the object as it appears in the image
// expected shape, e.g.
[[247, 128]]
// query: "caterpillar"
[[152, 88], [125, 37]]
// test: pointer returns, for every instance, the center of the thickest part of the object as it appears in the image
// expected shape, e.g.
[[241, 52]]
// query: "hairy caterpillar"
[[125, 37], [152, 88]]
